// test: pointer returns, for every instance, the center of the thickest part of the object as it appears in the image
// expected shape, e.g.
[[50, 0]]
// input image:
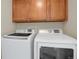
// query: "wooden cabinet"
[[39, 10], [21, 9], [57, 10]]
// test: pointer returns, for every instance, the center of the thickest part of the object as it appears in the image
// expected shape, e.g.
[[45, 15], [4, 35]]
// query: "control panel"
[[57, 30]]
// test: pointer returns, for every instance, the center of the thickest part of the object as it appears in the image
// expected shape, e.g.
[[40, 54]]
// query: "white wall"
[[6, 20], [70, 27], [43, 25]]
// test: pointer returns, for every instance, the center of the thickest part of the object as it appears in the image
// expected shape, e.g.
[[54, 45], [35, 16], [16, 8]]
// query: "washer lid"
[[20, 34]]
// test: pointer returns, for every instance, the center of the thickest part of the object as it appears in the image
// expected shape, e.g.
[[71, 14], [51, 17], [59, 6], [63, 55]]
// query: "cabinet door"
[[38, 10], [57, 10], [21, 10]]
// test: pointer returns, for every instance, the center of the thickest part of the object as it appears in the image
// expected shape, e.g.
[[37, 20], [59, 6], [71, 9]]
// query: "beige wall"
[[43, 25], [6, 25], [70, 27]]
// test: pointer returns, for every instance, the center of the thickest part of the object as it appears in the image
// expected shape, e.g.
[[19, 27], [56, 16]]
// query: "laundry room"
[[69, 26], [32, 26]]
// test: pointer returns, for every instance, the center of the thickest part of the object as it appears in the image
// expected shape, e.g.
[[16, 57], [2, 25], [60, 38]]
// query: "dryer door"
[[55, 51]]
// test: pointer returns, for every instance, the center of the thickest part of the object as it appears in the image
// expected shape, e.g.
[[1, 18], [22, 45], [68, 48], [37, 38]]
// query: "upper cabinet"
[[21, 9], [39, 10], [57, 10]]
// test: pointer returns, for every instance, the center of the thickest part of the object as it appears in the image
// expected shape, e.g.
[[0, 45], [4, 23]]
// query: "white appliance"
[[18, 45], [54, 45]]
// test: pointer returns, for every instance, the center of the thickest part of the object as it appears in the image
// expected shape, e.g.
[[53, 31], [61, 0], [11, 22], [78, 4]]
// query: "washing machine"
[[18, 45]]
